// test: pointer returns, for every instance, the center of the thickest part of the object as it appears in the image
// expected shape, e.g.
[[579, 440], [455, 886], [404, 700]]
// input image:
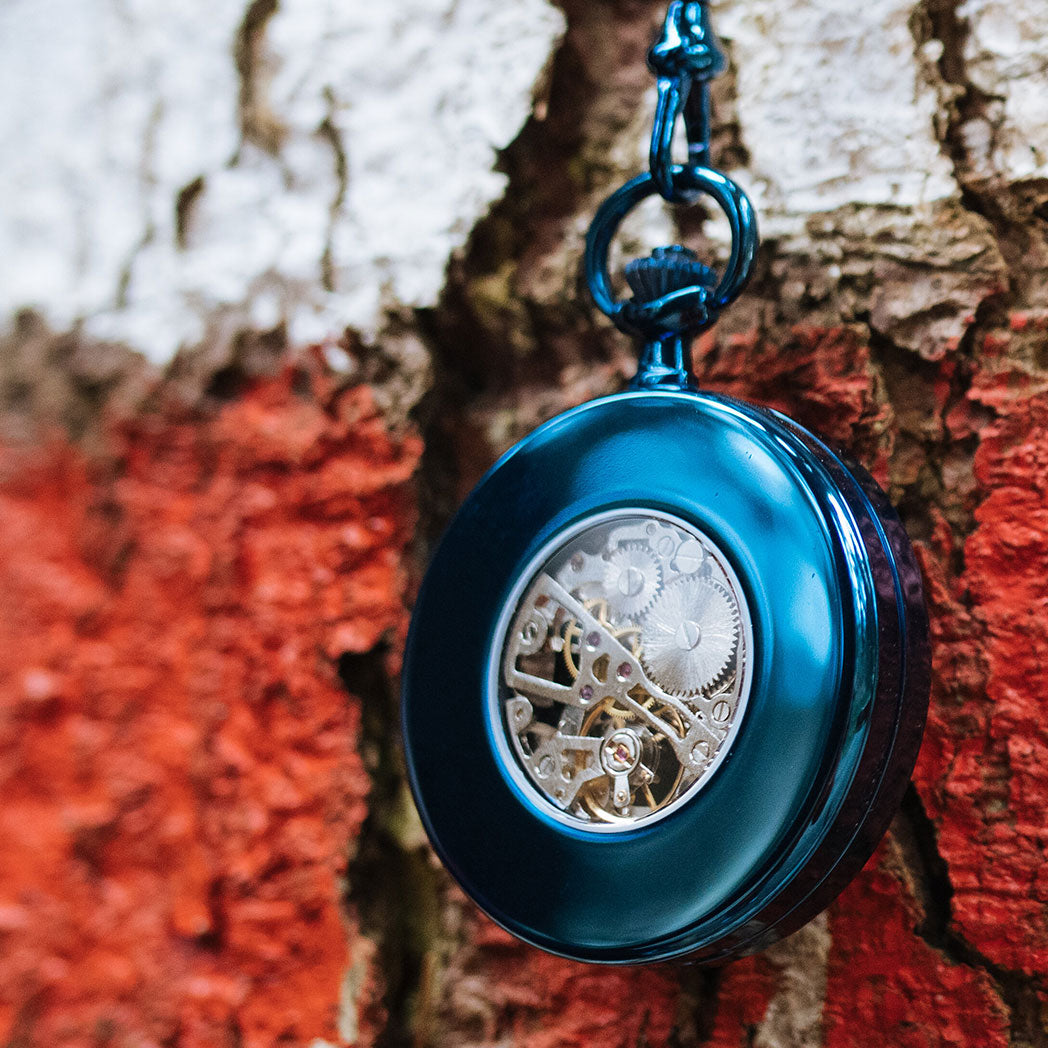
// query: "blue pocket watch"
[[668, 671]]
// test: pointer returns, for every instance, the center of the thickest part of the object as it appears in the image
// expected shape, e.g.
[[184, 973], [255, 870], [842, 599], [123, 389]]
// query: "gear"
[[632, 577], [690, 635]]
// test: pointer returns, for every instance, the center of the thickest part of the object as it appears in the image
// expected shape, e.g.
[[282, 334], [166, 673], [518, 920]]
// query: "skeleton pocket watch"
[[668, 670]]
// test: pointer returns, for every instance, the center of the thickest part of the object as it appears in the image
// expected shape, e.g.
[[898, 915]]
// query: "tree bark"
[[281, 283]]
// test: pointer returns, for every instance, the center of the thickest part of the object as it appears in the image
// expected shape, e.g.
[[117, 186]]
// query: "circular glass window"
[[624, 669]]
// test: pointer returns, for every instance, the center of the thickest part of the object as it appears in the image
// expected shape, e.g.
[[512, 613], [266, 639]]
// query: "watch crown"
[[665, 270]]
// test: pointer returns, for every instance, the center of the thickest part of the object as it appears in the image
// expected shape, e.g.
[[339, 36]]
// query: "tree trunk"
[[281, 281]]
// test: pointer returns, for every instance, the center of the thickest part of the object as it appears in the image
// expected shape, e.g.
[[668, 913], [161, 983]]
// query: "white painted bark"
[[1006, 60], [832, 107], [121, 105], [381, 128]]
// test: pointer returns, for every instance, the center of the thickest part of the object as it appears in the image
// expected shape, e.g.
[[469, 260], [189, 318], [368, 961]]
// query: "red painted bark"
[[529, 999], [180, 777], [746, 990], [182, 784], [886, 986], [984, 771], [821, 378]]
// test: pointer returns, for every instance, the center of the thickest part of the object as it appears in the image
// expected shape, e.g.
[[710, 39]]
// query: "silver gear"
[[632, 577], [690, 635]]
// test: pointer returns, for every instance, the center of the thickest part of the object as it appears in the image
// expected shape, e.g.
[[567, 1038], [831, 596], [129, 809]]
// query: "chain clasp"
[[685, 58], [674, 295]]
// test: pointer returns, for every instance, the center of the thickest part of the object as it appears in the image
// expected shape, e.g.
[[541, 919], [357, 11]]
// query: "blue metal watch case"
[[832, 722]]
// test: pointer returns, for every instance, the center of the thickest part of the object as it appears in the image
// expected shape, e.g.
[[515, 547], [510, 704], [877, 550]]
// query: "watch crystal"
[[624, 669]]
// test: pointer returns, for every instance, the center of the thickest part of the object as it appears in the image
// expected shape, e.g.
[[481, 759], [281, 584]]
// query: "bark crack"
[[513, 318], [697, 1010], [329, 131], [393, 887], [969, 126], [906, 377], [1021, 993], [146, 176], [185, 201], [258, 123]]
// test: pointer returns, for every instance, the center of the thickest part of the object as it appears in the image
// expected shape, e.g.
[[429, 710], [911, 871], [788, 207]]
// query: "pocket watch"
[[668, 670]]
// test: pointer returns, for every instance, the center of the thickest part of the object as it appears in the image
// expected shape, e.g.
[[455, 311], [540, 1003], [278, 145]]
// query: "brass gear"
[[591, 793]]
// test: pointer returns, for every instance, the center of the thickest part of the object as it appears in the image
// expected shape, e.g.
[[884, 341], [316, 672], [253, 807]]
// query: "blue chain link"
[[675, 296], [684, 59]]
